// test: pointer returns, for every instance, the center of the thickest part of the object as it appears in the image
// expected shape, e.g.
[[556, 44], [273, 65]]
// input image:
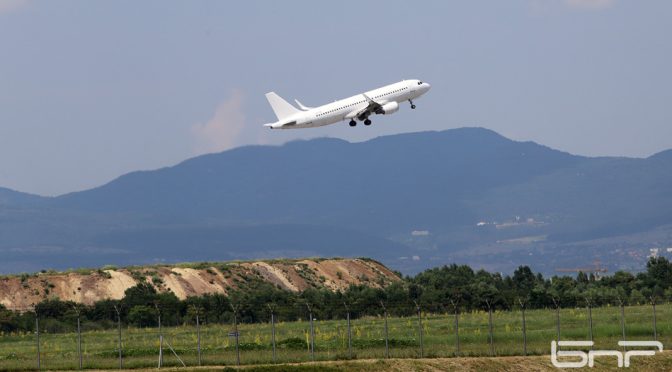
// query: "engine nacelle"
[[390, 108]]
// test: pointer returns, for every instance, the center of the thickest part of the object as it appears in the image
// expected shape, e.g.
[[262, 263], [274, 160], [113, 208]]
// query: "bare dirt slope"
[[21, 292]]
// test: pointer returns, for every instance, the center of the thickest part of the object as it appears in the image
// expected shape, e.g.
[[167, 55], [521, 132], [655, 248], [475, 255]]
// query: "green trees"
[[142, 294], [659, 275], [142, 303], [524, 281], [143, 316], [434, 289]]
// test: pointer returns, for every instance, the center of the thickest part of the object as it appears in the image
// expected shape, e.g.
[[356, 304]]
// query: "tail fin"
[[281, 107]]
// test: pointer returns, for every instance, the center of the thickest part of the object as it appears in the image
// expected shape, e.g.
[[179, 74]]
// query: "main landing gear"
[[353, 123], [412, 105]]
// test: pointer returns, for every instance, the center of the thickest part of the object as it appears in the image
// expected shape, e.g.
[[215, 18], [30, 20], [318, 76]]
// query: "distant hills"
[[11, 197], [410, 200]]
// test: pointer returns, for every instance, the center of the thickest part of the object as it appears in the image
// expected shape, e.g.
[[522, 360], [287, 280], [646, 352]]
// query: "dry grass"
[[660, 362]]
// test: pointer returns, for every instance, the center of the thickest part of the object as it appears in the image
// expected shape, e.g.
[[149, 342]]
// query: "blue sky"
[[90, 90]]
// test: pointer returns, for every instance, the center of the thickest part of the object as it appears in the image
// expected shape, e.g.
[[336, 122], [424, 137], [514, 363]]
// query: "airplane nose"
[[427, 87]]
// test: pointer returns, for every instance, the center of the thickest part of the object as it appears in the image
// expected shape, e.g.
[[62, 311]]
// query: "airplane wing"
[[373, 107]]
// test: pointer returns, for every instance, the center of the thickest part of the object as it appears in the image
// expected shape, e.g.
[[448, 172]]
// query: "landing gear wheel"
[[353, 123], [367, 122], [413, 107]]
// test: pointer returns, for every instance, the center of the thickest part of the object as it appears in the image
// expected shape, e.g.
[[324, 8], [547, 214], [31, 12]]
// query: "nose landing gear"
[[412, 105]]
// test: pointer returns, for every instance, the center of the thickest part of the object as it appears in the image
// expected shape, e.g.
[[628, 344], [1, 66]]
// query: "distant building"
[[653, 252], [420, 233]]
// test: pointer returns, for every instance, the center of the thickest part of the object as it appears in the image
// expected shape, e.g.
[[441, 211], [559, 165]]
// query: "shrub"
[[143, 316]]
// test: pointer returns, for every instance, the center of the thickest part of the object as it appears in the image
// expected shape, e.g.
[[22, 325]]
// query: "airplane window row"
[[340, 108], [357, 103], [394, 91]]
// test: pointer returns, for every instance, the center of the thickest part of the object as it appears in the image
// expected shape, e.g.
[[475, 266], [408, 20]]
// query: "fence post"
[[311, 344], [387, 342], [522, 308], [620, 303], [312, 336], [79, 338], [121, 360], [198, 336], [457, 328], [160, 336], [37, 339], [590, 320], [347, 313], [270, 308], [557, 317], [235, 332], [422, 345], [492, 344], [655, 329]]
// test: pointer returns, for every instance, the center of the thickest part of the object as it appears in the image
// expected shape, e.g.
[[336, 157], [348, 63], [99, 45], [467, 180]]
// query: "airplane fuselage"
[[359, 107]]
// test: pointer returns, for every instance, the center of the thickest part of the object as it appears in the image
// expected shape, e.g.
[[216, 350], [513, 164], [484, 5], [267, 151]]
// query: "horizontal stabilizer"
[[280, 125], [302, 107]]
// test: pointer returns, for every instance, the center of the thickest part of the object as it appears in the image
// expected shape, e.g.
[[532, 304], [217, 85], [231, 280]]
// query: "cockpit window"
[[419, 82]]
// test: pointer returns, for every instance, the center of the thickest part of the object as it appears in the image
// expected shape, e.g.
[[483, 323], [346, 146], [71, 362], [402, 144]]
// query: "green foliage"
[[436, 290], [246, 346], [137, 275], [380, 342], [104, 274], [294, 343], [143, 316], [156, 280], [141, 294]]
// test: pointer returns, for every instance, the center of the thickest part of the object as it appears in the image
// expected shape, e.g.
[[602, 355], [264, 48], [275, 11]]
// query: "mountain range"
[[412, 201]]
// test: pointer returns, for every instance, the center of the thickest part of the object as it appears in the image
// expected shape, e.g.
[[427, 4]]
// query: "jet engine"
[[390, 108]]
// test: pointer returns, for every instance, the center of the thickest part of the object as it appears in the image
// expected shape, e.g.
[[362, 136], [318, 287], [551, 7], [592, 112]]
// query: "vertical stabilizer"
[[281, 108]]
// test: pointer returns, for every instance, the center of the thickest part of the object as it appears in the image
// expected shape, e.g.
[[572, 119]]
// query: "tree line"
[[438, 290]]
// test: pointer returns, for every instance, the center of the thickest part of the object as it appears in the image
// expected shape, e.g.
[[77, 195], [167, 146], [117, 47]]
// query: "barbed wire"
[[338, 305]]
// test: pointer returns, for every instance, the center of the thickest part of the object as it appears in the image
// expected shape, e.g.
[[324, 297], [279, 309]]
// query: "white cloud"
[[590, 4], [223, 130], [7, 6]]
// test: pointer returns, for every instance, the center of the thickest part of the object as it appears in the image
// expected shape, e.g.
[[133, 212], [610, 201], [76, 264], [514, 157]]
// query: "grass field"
[[141, 346]]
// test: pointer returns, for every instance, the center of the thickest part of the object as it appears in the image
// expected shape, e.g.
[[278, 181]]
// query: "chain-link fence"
[[488, 332]]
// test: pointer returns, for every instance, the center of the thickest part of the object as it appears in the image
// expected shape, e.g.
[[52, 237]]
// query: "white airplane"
[[383, 100]]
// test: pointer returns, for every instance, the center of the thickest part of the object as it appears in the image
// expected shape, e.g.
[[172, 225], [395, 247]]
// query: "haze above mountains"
[[410, 200]]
